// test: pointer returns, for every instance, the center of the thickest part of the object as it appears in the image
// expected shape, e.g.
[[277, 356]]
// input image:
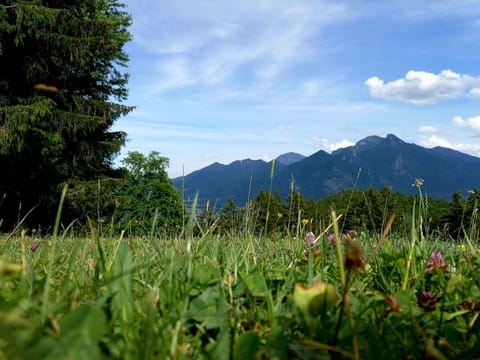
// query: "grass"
[[233, 297]]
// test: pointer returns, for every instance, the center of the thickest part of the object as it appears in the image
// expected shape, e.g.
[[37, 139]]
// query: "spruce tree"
[[61, 88]]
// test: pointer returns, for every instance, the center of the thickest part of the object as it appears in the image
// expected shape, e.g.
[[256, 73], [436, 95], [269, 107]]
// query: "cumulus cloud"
[[421, 87], [472, 123], [427, 129], [434, 140], [324, 144]]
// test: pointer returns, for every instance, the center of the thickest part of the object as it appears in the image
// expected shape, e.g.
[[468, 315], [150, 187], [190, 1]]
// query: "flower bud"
[[315, 300], [353, 256]]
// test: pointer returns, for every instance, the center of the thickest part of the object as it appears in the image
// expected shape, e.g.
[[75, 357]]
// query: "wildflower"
[[305, 221], [427, 301], [393, 305], [462, 248], [311, 238], [436, 262], [418, 182], [331, 238], [33, 246], [279, 215]]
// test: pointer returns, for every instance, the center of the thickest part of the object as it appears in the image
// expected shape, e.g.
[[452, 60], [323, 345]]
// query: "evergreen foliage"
[[367, 210], [60, 73]]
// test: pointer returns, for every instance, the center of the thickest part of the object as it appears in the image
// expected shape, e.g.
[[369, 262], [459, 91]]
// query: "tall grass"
[[206, 295]]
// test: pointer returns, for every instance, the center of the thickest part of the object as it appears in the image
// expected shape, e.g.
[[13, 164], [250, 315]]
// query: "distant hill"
[[372, 162]]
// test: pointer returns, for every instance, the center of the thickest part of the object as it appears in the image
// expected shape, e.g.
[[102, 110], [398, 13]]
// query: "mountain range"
[[372, 162]]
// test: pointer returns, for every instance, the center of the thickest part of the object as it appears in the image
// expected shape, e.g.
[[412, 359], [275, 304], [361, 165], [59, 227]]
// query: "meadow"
[[337, 294]]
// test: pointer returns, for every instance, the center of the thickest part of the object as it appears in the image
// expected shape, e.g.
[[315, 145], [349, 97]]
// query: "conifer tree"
[[61, 88]]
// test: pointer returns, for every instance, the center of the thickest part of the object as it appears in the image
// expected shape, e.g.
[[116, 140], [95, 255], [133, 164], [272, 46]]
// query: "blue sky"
[[217, 81]]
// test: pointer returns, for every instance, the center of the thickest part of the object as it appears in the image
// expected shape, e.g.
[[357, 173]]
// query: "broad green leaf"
[[246, 346], [210, 308], [81, 331], [205, 275], [276, 344], [256, 284], [455, 282]]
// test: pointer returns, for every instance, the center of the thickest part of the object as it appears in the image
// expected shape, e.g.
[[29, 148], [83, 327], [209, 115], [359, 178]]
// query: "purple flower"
[[311, 238], [331, 238], [33, 246], [427, 301], [436, 262]]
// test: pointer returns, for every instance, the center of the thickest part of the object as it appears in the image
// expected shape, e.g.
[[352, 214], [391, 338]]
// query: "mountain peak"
[[289, 158], [392, 139], [369, 141], [372, 141]]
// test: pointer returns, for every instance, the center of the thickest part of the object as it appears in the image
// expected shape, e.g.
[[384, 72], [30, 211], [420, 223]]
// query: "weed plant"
[[343, 293]]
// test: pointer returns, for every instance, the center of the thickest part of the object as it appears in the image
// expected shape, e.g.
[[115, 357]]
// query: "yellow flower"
[[279, 215], [462, 248], [305, 221]]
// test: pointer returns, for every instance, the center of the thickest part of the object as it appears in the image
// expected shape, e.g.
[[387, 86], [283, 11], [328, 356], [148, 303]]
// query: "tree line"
[[361, 209]]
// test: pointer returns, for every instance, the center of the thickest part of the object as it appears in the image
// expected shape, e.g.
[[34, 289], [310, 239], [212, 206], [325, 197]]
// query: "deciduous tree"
[[149, 197]]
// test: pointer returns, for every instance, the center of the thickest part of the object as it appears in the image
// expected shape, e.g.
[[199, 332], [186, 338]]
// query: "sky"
[[219, 81]]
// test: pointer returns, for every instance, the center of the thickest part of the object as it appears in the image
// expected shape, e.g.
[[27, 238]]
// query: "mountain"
[[372, 162], [289, 158]]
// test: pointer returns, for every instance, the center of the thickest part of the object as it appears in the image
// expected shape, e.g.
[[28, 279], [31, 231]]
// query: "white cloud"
[[421, 87], [228, 44], [267, 157], [324, 144], [175, 72], [434, 140], [475, 93], [427, 129], [472, 123]]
